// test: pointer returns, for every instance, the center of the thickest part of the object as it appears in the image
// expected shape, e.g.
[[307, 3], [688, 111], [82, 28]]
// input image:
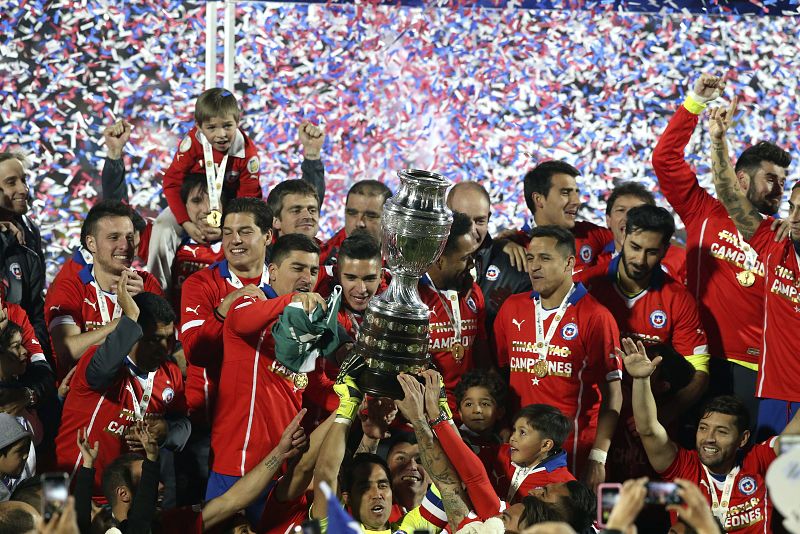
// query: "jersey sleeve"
[[762, 455], [199, 329], [248, 316], [249, 185], [688, 336], [676, 178], [174, 175], [604, 342], [64, 303], [683, 466]]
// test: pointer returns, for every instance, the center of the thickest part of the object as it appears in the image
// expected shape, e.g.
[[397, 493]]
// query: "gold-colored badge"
[[214, 218], [540, 368], [746, 278], [300, 380], [458, 351]]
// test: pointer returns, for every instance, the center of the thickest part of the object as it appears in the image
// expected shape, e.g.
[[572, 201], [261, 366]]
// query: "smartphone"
[[607, 497], [662, 493], [55, 490]]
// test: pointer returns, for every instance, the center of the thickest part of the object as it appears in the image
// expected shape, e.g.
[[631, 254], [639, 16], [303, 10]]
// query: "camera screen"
[[662, 493]]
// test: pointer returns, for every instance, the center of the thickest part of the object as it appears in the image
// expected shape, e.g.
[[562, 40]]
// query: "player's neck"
[[408, 498], [555, 298], [120, 511], [629, 285], [541, 220], [247, 271], [104, 278], [438, 281], [724, 468]]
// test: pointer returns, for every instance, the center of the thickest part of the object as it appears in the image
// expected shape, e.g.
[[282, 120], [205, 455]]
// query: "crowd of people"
[[195, 372]]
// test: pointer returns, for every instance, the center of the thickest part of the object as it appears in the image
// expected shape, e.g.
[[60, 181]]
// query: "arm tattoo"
[[272, 463], [742, 212], [368, 445], [441, 471]]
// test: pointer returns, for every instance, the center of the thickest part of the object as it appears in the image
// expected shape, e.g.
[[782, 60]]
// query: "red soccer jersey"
[[750, 510], [72, 299], [241, 171], [281, 517], [190, 258], [108, 414], [257, 396], [330, 248], [472, 312], [714, 255], [16, 314], [201, 332], [186, 519], [780, 362], [582, 354], [502, 472], [663, 313]]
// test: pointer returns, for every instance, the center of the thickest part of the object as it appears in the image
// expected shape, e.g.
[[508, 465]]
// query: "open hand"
[[635, 359]]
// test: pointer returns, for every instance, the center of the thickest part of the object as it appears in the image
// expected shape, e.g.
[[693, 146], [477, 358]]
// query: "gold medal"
[[300, 380], [746, 278], [540, 368], [457, 349], [214, 218]]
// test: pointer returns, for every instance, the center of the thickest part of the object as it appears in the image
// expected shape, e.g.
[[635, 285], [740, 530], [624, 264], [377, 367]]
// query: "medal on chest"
[[214, 178], [540, 368]]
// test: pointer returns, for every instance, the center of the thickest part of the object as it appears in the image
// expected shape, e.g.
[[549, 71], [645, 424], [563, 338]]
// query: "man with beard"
[[720, 267], [648, 304], [499, 264], [779, 366], [258, 396], [733, 480], [363, 208], [457, 316]]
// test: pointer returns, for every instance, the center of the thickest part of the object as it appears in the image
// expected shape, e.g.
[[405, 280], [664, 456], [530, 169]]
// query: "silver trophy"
[[394, 334]]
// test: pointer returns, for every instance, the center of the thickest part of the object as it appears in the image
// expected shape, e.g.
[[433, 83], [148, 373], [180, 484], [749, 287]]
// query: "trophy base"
[[389, 346]]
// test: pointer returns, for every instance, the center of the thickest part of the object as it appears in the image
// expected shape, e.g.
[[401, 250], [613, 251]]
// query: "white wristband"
[[704, 99], [598, 455]]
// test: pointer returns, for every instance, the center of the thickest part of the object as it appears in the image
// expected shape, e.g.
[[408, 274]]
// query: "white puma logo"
[[90, 303], [193, 310], [193, 250], [518, 324], [55, 308]]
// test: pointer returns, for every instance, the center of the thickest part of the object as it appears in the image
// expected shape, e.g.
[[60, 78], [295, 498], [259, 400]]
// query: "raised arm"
[[661, 451], [113, 175], [247, 489], [313, 171], [742, 212]]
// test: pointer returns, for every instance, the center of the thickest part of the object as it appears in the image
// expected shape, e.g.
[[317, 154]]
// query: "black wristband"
[[218, 316]]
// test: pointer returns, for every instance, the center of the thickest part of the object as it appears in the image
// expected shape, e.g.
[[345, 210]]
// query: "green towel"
[[301, 337]]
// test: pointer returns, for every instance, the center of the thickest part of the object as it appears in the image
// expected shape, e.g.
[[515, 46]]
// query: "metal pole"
[[211, 44], [230, 43]]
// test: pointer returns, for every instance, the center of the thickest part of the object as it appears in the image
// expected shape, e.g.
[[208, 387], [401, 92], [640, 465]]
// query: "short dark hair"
[[261, 212], [480, 378], [540, 179], [629, 189], [29, 491], [362, 458], [153, 310], [565, 241], [469, 186], [462, 225], [286, 244], [536, 511], [649, 218], [118, 473], [750, 160], [370, 188], [579, 509], [359, 246], [190, 182], [16, 520], [400, 437], [139, 224], [548, 420], [6, 335], [215, 102], [729, 405], [289, 187], [101, 210]]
